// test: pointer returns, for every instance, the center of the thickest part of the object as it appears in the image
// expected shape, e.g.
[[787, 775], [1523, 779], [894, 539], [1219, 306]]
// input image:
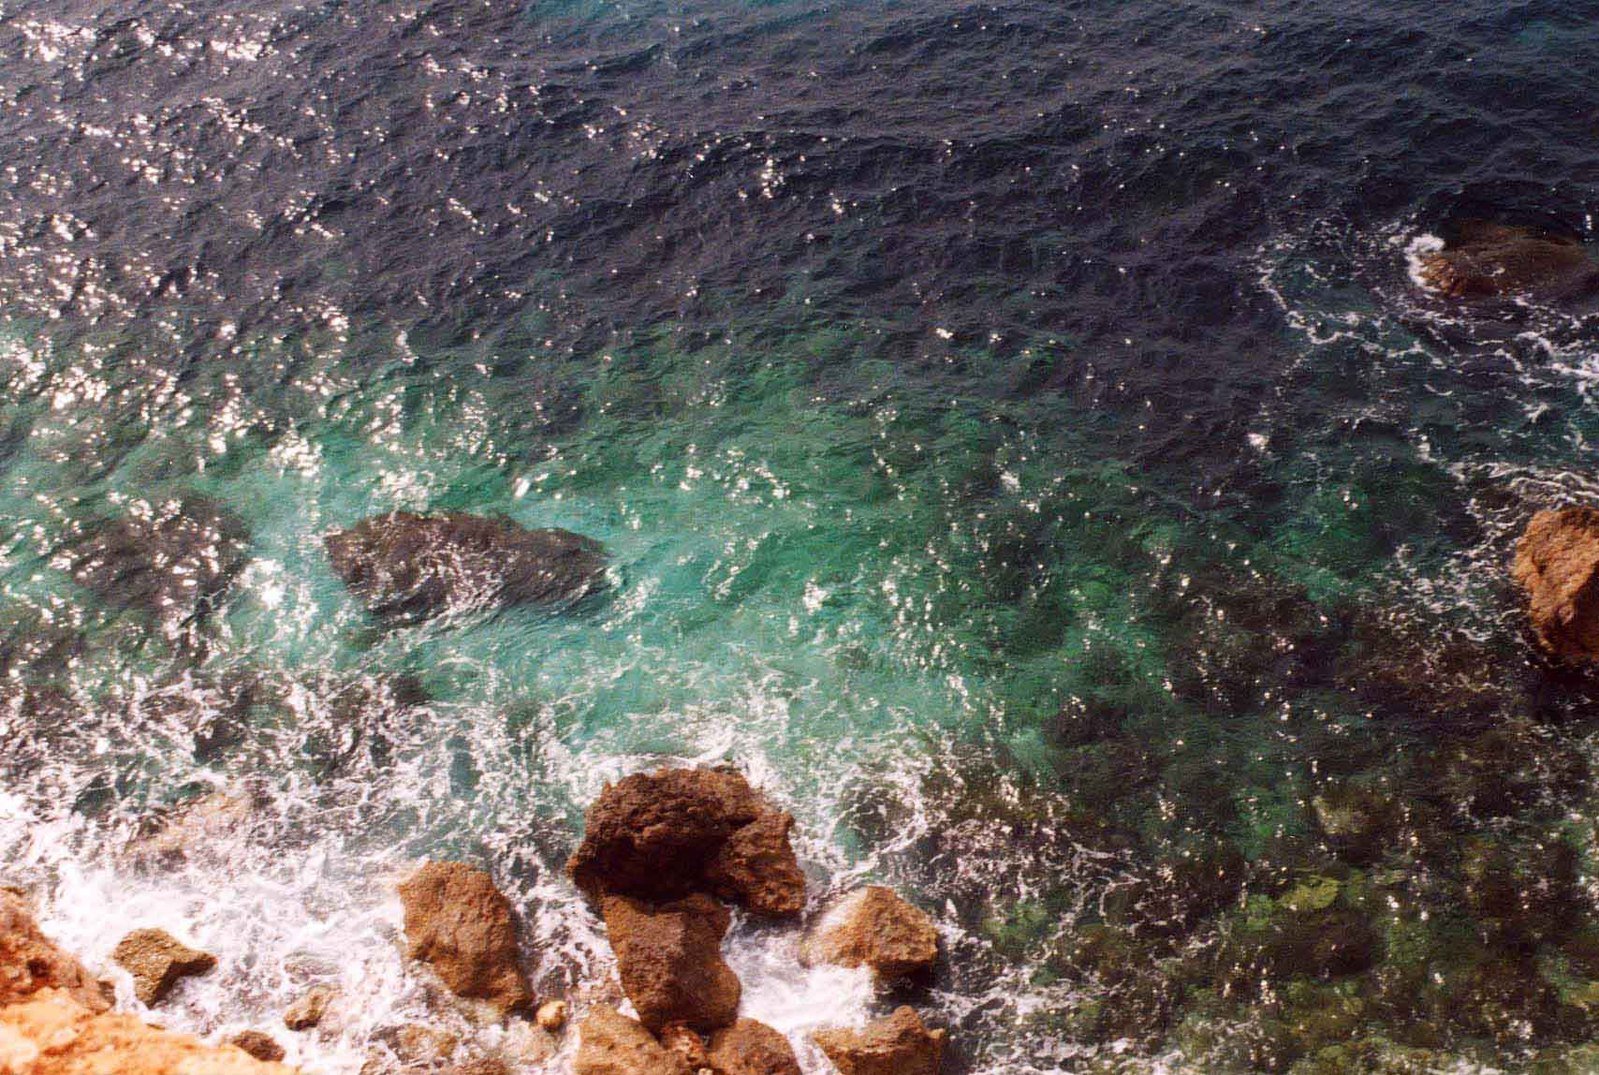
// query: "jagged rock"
[[751, 1048], [259, 1045], [158, 961], [756, 868], [30, 961], [670, 960], [898, 1045], [457, 921], [410, 567], [686, 1043], [613, 1044], [552, 1015], [51, 1034], [1557, 563], [873, 927], [662, 835], [308, 1011], [1485, 260]]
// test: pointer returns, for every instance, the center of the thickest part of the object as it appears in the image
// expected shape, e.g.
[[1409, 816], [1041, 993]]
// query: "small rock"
[[552, 1015], [873, 927], [612, 1044], [898, 1045], [457, 921], [30, 961], [670, 960], [259, 1045], [308, 1011], [416, 1045], [686, 1043], [751, 1048], [756, 868], [157, 961], [1557, 562]]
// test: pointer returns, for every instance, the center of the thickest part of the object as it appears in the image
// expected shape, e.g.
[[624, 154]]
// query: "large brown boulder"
[[1557, 564], [457, 921], [669, 957], [158, 961], [52, 1034], [1486, 260], [410, 567], [30, 961], [662, 835], [613, 1044], [751, 1048], [898, 1045], [873, 927]]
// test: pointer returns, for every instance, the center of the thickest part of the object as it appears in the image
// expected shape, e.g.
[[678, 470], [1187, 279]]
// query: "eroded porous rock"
[[1486, 260], [409, 567], [458, 922], [669, 957], [686, 1043], [51, 1034], [898, 1045], [158, 961], [751, 1048], [873, 927], [30, 961], [307, 1012], [257, 1044], [1557, 564], [612, 1044], [666, 834]]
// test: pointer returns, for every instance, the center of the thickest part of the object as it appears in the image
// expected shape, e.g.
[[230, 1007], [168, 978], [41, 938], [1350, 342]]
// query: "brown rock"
[[52, 1034], [873, 927], [259, 1045], [457, 921], [751, 1048], [613, 1044], [552, 1015], [308, 1011], [685, 1042], [669, 957], [30, 961], [898, 1045], [158, 961], [756, 868], [416, 1045], [1486, 260], [1557, 564]]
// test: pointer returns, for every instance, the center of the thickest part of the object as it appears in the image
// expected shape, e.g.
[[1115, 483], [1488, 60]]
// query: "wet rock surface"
[[158, 961], [457, 921], [260, 1045], [307, 1012], [1488, 260], [875, 928], [900, 1044], [751, 1048], [1557, 565], [612, 1044], [756, 868], [670, 960], [409, 567], [30, 961]]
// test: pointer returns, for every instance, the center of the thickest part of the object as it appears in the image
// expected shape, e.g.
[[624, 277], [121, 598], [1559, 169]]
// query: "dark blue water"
[[1021, 443]]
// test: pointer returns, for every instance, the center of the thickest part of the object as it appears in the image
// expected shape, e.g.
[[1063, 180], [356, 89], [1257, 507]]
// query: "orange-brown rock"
[[158, 961], [52, 1034], [751, 1048], [686, 1043], [30, 961], [898, 1045], [756, 868], [457, 921], [259, 1045], [612, 1044], [873, 927], [1486, 260], [1557, 564], [669, 957], [308, 1010]]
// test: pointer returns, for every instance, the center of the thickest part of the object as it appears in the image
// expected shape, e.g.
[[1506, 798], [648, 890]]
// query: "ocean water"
[[1023, 448]]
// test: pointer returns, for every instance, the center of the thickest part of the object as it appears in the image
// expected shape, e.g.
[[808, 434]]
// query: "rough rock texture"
[[1486, 260], [552, 1015], [52, 1034], [751, 1048], [308, 1011], [1557, 564], [756, 868], [158, 961], [409, 567], [30, 961], [670, 960], [613, 1044], [873, 927], [686, 1043], [658, 836], [259, 1045], [456, 920], [898, 1045]]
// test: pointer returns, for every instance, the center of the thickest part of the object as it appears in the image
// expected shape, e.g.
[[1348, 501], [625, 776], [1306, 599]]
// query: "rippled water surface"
[[1021, 445]]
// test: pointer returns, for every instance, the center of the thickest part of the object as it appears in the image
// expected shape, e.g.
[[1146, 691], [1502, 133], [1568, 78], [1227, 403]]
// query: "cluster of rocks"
[[660, 853]]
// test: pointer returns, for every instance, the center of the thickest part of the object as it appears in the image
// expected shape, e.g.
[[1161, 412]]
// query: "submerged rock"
[[308, 1011], [898, 1045], [202, 828], [669, 957], [457, 921], [613, 1044], [1486, 260], [873, 927], [158, 961], [259, 1045], [751, 1048], [30, 961], [410, 567], [1557, 564]]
